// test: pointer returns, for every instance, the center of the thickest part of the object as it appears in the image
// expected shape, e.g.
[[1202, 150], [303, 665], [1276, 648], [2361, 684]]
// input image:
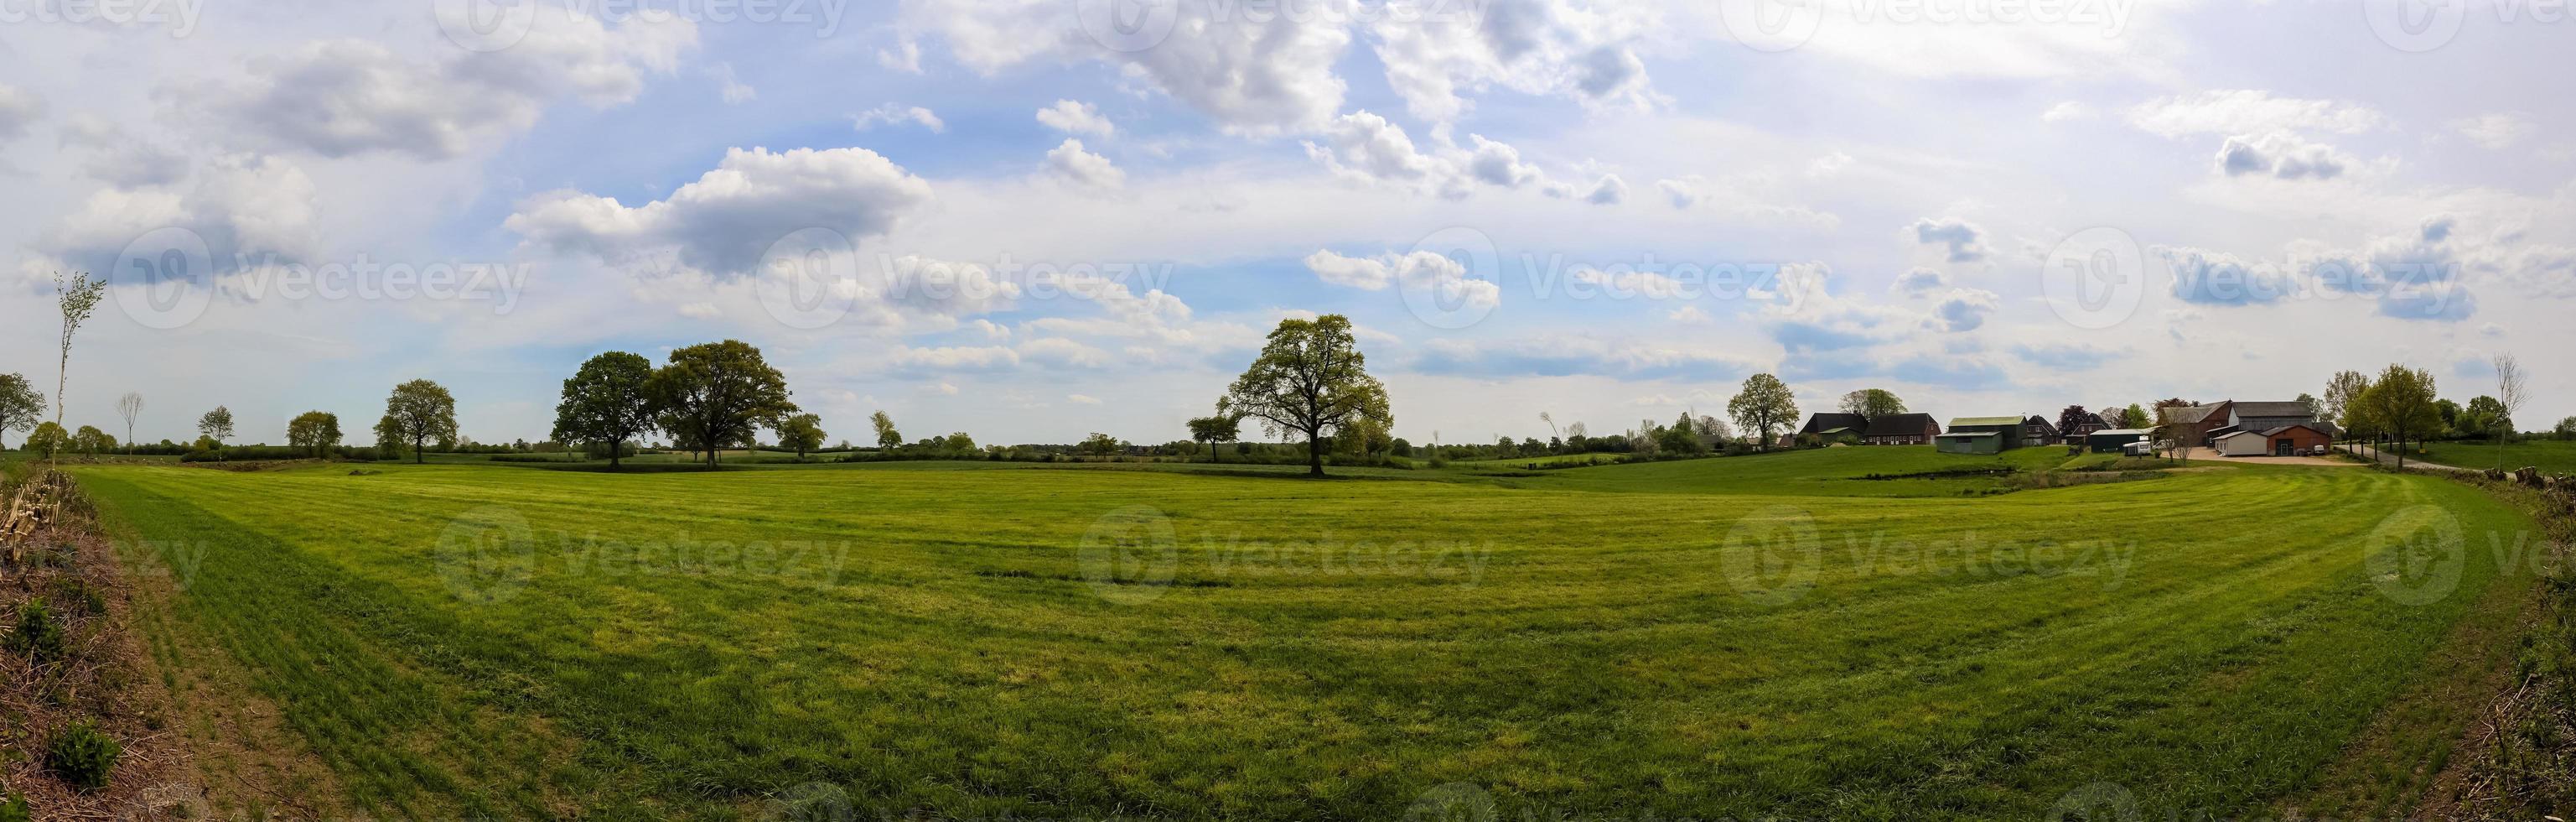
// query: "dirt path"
[[2391, 459], [2198, 455]]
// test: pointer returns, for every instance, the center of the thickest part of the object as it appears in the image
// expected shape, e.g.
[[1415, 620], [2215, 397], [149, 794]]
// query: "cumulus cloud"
[[904, 57], [1366, 148], [2494, 132], [1964, 241], [119, 159], [1426, 271], [1252, 74], [1073, 117], [2067, 111], [730, 87], [1828, 166], [1069, 161], [2214, 278], [1530, 46], [724, 221], [1682, 193], [2243, 111], [344, 97], [1609, 191], [892, 113], [251, 210], [1920, 282], [2281, 156], [1498, 164], [1964, 309], [19, 108]]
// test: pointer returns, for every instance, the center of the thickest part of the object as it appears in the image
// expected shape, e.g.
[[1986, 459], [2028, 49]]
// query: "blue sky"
[[1609, 212]]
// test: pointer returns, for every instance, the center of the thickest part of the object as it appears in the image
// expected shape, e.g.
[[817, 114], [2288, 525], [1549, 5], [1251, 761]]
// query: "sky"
[[1030, 220]]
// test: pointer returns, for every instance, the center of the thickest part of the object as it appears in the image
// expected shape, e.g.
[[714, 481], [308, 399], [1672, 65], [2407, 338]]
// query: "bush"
[[83, 756], [80, 592], [13, 808], [39, 636]]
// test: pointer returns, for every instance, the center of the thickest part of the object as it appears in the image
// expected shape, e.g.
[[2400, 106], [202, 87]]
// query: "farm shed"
[[2006, 429], [2241, 444], [1971, 442], [2111, 440], [2293, 440]]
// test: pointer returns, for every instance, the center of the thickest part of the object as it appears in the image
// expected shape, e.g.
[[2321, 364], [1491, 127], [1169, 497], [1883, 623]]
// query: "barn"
[[1971, 442], [2112, 440], [2240, 444], [2292, 440]]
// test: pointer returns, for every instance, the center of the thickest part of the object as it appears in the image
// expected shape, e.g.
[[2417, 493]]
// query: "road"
[[2391, 459]]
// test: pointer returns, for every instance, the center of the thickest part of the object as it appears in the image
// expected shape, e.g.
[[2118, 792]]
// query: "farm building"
[[2037, 431], [1831, 426], [2239, 444], [2265, 416], [2283, 441], [2007, 431], [2085, 425], [2112, 440], [1973, 442], [1902, 429], [2197, 423]]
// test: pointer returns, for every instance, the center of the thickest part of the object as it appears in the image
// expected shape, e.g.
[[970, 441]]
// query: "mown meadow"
[[1767, 635]]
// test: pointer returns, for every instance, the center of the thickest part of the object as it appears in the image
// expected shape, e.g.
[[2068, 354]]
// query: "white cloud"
[[345, 97], [1830, 165], [19, 108], [2280, 155], [2244, 111], [1920, 282], [1688, 315], [723, 222], [1075, 118], [1071, 162], [904, 57], [1609, 191], [1082, 399], [1498, 164], [1365, 148], [2067, 111], [1426, 271], [2494, 131], [248, 208], [1683, 193], [1964, 241], [893, 113], [731, 88], [1251, 73], [1964, 309]]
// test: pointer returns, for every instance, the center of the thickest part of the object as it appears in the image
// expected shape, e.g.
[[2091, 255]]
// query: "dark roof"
[[2300, 425], [1901, 425], [1829, 420], [2298, 410], [2190, 413], [2040, 421]]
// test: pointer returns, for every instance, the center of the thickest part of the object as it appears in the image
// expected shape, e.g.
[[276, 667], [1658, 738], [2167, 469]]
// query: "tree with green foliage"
[[2566, 429], [2402, 404], [216, 425], [1764, 403], [1215, 430], [958, 442], [1310, 380], [801, 433], [887, 436], [2483, 417], [421, 412], [20, 404], [1872, 403], [605, 403], [77, 297], [1098, 445], [2343, 398], [48, 440], [317, 432], [389, 438], [91, 442], [2135, 416], [717, 394], [2316, 407]]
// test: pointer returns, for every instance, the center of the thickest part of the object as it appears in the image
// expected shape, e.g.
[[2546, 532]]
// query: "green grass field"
[[1739, 636], [2547, 455]]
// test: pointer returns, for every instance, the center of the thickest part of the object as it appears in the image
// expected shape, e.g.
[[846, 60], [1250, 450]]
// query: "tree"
[[1098, 445], [958, 442], [2401, 405], [129, 406], [1764, 403], [1872, 403], [1311, 380], [77, 297], [2566, 429], [2316, 408], [1714, 428], [317, 432], [2513, 391], [389, 438], [2484, 417], [802, 433], [421, 412], [605, 403], [216, 425], [1222, 428], [20, 404], [716, 394], [2343, 397], [2135, 417], [887, 437], [90, 441], [48, 439], [2072, 420]]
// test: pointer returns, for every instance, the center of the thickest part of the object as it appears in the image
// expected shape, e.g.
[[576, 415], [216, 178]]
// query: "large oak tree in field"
[[1311, 380], [605, 403], [316, 432], [1764, 404], [421, 412], [717, 394]]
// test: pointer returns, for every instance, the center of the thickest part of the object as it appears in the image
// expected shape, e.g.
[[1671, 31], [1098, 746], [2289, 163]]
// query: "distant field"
[[935, 640], [2547, 455]]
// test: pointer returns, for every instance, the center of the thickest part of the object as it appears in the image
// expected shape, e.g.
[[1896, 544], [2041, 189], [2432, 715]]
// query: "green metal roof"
[[1972, 434], [1975, 421]]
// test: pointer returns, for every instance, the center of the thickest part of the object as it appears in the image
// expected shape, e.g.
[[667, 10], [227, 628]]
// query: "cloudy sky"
[[1033, 219]]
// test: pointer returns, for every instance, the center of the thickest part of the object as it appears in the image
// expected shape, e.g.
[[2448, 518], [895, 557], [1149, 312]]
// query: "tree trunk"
[[417, 447], [613, 449], [1314, 455]]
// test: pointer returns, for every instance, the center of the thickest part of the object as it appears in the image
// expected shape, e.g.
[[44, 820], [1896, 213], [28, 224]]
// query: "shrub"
[[39, 636], [13, 808], [83, 756], [80, 592]]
